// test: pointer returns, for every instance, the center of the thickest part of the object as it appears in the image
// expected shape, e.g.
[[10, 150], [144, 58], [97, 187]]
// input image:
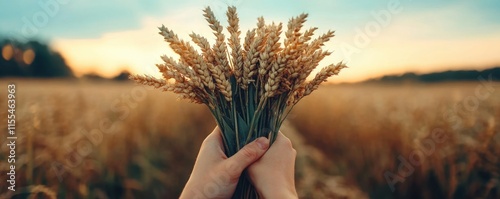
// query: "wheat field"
[[80, 139]]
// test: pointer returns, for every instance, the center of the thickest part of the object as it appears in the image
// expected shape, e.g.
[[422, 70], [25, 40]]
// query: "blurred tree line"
[[34, 59], [492, 74], [31, 59]]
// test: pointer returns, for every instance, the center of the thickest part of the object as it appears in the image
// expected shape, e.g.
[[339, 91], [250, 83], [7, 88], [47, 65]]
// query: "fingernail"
[[262, 142]]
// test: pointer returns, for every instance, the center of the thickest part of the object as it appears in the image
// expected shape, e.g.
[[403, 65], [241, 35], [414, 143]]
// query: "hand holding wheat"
[[215, 175], [251, 88]]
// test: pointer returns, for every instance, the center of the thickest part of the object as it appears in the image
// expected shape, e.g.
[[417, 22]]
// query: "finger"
[[215, 136], [282, 139], [281, 143], [214, 139], [247, 155]]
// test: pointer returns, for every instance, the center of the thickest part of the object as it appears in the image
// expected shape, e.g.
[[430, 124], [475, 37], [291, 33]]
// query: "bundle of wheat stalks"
[[251, 88]]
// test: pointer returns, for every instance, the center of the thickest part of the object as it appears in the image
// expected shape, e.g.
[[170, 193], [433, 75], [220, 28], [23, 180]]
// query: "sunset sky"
[[374, 37]]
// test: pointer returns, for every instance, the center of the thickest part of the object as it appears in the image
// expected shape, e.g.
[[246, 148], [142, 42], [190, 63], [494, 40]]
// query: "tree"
[[46, 63]]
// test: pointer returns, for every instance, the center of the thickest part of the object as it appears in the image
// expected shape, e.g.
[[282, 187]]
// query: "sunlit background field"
[[80, 139]]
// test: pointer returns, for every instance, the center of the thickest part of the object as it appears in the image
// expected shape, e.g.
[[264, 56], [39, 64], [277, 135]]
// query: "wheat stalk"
[[250, 90]]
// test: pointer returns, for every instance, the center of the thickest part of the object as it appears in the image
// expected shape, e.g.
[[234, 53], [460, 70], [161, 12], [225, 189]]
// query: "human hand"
[[214, 174], [273, 174]]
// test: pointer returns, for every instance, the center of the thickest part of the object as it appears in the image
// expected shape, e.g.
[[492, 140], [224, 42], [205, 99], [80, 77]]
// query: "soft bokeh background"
[[415, 68]]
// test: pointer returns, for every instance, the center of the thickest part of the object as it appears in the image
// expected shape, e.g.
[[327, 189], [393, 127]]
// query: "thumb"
[[247, 155]]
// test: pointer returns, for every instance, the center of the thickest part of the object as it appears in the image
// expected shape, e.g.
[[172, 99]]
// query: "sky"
[[374, 38]]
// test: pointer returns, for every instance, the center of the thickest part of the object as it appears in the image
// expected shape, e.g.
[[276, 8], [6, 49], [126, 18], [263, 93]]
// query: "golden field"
[[80, 139]]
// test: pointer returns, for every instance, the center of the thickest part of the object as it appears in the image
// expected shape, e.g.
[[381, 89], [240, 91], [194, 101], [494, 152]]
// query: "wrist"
[[279, 193]]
